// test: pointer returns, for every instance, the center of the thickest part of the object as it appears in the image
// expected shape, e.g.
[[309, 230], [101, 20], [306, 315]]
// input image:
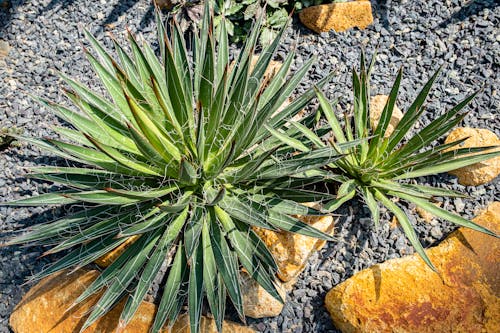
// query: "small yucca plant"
[[377, 169], [175, 158]]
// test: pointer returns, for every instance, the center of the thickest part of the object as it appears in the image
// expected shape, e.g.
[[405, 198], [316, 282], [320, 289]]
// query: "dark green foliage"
[[378, 168], [179, 157]]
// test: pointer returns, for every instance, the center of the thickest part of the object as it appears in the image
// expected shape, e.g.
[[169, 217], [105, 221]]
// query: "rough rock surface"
[[43, 310], [164, 4], [257, 302], [4, 49], [425, 215], [479, 173], [208, 326], [404, 295], [272, 69], [109, 257], [337, 16], [290, 250], [45, 37], [377, 104]]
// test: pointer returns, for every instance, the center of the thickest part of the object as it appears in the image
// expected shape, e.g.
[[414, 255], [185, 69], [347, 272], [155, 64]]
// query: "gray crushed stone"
[[45, 37]]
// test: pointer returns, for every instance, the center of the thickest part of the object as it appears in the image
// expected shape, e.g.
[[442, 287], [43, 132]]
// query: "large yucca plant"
[[178, 158], [380, 167]]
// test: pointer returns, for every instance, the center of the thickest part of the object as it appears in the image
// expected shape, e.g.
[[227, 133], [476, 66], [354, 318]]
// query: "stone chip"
[[291, 251], [257, 302], [44, 310], [482, 172], [377, 104], [405, 295], [337, 16], [111, 256]]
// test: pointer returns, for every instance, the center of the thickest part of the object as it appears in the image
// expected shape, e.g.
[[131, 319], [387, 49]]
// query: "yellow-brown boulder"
[[164, 4], [404, 295], [425, 215], [482, 172], [208, 326], [111, 256], [257, 302], [271, 70], [337, 16], [44, 309], [377, 104], [291, 251], [4, 49]]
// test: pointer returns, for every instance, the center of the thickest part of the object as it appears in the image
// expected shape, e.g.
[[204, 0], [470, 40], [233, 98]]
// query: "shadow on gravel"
[[474, 7], [8, 7], [384, 13], [19, 263]]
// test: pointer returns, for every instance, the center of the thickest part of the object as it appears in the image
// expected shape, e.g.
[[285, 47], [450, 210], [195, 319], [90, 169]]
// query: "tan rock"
[[4, 49], [109, 257], [257, 302], [425, 215], [479, 173], [377, 104], [44, 308], [337, 16], [164, 4], [291, 250], [5, 4], [394, 223], [290, 284], [271, 71], [208, 326], [404, 295]]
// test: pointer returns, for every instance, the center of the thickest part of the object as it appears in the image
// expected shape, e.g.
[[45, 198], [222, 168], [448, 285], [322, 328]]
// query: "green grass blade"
[[412, 114], [82, 256], [334, 204], [210, 277], [148, 275], [437, 192], [385, 117], [246, 253], [239, 207], [121, 280], [222, 52], [58, 198], [448, 166], [406, 225], [227, 266], [434, 130], [172, 297], [327, 110], [126, 161], [192, 230], [101, 197], [112, 85], [372, 205], [60, 226], [288, 140], [444, 214], [195, 289], [292, 224], [309, 134], [154, 134]]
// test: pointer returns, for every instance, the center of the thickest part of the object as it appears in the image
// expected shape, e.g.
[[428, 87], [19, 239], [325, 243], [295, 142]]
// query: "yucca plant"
[[380, 167], [174, 157]]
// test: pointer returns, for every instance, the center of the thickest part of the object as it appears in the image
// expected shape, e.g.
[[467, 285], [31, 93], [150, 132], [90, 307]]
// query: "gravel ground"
[[45, 37]]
